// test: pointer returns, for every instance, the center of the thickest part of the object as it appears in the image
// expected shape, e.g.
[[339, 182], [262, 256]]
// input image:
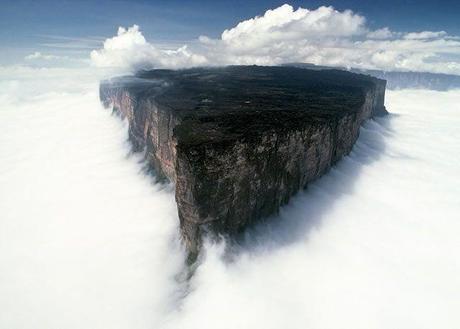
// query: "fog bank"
[[87, 240]]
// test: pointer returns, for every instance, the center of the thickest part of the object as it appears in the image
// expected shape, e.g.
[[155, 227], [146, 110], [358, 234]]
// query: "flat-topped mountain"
[[239, 141]]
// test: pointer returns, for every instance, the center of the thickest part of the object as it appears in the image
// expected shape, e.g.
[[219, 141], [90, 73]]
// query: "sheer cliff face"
[[237, 154], [150, 128]]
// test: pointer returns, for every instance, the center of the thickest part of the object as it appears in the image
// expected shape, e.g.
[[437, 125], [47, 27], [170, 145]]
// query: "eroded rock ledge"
[[239, 141]]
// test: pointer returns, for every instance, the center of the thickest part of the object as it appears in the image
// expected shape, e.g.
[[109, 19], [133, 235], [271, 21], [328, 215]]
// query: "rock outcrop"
[[239, 141]]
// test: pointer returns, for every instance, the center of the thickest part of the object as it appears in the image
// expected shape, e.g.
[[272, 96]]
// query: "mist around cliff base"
[[88, 240]]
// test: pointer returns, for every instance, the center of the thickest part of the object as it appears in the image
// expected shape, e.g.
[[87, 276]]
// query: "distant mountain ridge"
[[399, 79]]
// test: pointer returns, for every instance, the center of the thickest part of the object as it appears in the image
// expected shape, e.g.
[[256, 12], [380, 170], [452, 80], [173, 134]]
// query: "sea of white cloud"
[[88, 240]]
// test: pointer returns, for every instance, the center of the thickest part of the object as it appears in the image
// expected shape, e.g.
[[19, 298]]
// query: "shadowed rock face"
[[239, 141]]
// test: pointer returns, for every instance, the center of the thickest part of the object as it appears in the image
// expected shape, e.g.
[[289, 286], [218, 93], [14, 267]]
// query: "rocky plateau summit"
[[239, 141]]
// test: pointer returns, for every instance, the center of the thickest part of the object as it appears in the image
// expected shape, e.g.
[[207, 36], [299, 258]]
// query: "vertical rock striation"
[[239, 141]]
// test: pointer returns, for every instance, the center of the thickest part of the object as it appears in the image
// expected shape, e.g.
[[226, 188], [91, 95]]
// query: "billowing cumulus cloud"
[[129, 49], [322, 36], [285, 24]]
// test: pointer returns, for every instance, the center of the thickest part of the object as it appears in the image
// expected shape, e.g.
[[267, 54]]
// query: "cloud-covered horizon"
[[323, 36]]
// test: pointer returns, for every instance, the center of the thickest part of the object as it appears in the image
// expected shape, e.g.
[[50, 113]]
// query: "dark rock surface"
[[239, 141]]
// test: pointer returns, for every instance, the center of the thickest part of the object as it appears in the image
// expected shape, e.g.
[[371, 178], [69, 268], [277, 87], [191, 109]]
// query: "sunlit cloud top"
[[322, 36]]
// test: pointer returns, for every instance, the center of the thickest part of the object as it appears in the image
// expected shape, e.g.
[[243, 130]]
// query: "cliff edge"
[[239, 141]]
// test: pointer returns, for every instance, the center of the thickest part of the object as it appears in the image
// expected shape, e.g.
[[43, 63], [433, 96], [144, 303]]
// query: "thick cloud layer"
[[87, 241], [322, 36], [371, 245]]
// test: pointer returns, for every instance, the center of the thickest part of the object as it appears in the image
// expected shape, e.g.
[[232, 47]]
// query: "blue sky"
[[26, 23], [73, 28]]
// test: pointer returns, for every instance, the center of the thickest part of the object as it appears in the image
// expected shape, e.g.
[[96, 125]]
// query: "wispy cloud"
[[47, 59], [39, 55], [71, 43]]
